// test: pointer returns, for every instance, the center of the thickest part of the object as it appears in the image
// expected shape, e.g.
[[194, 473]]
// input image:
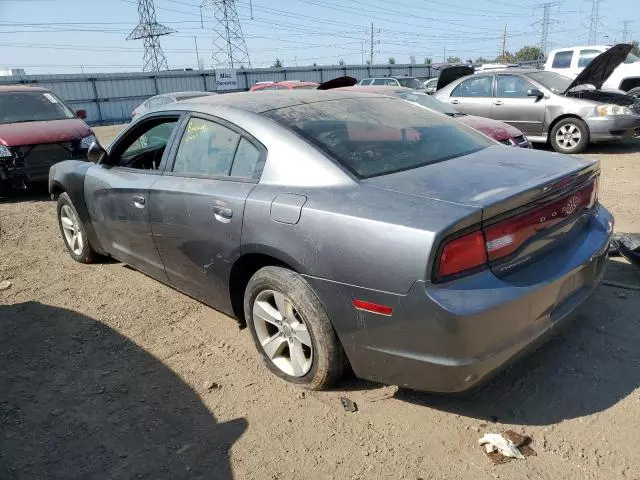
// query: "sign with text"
[[226, 79]]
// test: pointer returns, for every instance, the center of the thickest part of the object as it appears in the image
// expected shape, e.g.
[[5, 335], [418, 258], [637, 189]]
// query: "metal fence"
[[110, 98]]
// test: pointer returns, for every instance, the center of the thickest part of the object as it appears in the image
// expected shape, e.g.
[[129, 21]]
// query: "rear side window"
[[586, 56], [385, 81], [366, 81], [474, 87], [562, 59], [206, 148], [378, 136], [245, 163]]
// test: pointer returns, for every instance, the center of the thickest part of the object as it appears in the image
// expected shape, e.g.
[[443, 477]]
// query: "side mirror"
[[534, 92], [96, 153], [81, 114]]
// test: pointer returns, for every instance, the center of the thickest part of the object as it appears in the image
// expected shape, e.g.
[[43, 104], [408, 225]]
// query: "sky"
[[74, 36]]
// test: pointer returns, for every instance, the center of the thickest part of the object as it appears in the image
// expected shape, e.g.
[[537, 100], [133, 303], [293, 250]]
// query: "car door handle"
[[221, 213], [138, 201], [455, 102], [498, 102]]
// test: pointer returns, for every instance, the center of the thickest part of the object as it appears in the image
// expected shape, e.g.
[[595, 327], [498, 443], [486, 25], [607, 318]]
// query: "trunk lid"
[[601, 67], [531, 201], [449, 74]]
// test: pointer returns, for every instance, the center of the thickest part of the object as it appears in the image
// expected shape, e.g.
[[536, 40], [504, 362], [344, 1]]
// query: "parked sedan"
[[499, 131], [346, 228], [548, 107], [165, 99], [37, 130]]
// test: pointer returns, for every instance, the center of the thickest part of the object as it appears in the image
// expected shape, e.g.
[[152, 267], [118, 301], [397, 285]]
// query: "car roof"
[[509, 70], [269, 100], [380, 89], [606, 47], [393, 77], [21, 88], [187, 94]]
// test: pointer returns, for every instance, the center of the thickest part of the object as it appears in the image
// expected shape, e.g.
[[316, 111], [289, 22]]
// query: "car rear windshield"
[[378, 136], [17, 107]]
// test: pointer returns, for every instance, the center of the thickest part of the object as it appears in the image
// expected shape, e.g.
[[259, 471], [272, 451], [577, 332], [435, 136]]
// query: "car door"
[[117, 192], [473, 96], [197, 206], [513, 105]]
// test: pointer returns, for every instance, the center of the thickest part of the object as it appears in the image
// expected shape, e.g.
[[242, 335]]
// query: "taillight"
[[506, 237], [462, 253]]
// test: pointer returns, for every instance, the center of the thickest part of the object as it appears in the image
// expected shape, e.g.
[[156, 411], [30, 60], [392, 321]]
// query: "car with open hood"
[[350, 231], [548, 107], [37, 130]]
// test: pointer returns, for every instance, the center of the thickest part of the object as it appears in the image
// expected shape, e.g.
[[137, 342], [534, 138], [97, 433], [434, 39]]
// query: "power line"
[[594, 20], [150, 31], [228, 47]]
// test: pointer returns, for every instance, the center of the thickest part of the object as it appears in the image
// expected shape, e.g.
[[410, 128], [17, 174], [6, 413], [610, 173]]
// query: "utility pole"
[[195, 40], [504, 44], [444, 54], [594, 21], [149, 30], [625, 30], [362, 52], [371, 53], [229, 48]]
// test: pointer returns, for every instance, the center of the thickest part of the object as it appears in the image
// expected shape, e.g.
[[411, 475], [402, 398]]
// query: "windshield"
[[429, 102], [631, 58], [410, 82], [379, 136], [16, 107], [551, 80]]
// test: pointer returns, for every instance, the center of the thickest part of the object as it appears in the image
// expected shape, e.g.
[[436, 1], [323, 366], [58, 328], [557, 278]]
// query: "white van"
[[571, 61]]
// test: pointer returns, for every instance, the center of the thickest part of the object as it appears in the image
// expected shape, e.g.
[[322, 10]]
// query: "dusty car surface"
[[284, 85], [499, 131], [346, 228], [548, 107], [37, 130]]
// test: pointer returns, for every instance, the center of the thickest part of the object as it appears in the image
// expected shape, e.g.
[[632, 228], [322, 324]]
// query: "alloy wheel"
[[568, 136], [71, 229], [282, 333]]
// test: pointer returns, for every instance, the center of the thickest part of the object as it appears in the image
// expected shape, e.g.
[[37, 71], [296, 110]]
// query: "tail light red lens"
[[462, 253], [504, 238]]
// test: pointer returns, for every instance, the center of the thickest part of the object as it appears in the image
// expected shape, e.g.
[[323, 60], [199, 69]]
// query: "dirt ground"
[[106, 373]]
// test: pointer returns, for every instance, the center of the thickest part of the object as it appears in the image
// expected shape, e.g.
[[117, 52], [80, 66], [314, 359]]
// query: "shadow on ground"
[[35, 194], [78, 400], [588, 368]]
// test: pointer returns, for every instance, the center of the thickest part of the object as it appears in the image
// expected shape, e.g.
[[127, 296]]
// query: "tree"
[[453, 60], [636, 49], [507, 58], [277, 63], [427, 61], [481, 60], [528, 53], [412, 60], [341, 62], [392, 60]]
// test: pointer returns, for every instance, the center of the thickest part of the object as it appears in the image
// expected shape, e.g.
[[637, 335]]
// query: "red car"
[[500, 131], [37, 130], [286, 85]]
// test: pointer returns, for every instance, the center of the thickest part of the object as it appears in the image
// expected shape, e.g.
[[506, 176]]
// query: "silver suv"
[[408, 82]]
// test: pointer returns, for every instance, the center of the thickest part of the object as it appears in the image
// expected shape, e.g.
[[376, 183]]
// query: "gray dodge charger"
[[346, 229]]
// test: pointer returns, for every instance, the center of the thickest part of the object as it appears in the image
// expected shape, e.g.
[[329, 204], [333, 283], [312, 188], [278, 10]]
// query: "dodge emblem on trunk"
[[571, 205]]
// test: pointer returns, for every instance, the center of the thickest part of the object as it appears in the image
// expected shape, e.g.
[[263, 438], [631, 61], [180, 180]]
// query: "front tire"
[[73, 231], [569, 135], [291, 330]]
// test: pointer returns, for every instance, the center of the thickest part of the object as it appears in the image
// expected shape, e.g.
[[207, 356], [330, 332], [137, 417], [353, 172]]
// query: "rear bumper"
[[451, 337], [613, 127]]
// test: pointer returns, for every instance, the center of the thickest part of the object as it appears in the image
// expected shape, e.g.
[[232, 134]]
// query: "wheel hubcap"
[[568, 136], [71, 229], [282, 333]]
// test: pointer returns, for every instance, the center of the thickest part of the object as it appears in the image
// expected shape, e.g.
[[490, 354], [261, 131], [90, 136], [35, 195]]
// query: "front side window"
[[586, 56], [144, 150], [19, 107], [378, 136], [206, 148], [512, 86], [562, 59], [474, 87]]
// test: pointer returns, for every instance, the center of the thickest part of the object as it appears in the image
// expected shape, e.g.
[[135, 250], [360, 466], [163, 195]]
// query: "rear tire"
[[291, 330], [634, 92], [73, 232], [569, 135]]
